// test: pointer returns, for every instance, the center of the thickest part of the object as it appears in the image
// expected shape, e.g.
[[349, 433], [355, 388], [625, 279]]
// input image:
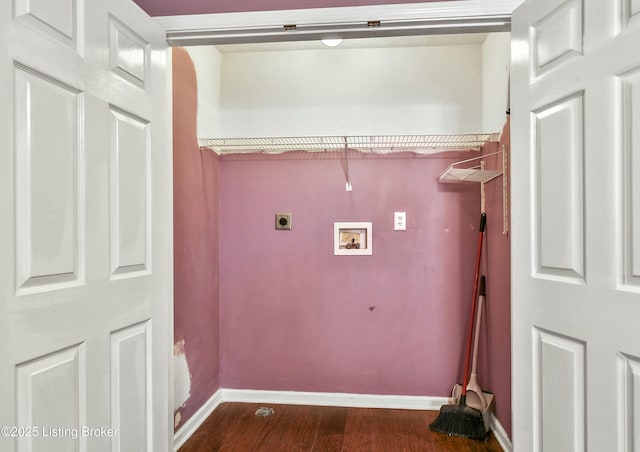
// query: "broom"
[[461, 419]]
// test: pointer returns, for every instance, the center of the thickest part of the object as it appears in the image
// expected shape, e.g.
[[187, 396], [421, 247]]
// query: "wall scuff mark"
[[181, 378], [195, 240]]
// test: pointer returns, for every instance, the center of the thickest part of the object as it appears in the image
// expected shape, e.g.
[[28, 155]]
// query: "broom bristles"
[[460, 420]]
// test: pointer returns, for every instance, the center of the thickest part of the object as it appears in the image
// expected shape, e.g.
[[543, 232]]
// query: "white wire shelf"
[[381, 144], [469, 175], [474, 170], [468, 171]]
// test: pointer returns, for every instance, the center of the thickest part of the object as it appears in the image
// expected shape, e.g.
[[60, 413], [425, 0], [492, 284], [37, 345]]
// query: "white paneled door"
[[576, 225], [85, 228]]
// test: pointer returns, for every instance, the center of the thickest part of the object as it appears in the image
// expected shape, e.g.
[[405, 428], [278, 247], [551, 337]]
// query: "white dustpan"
[[487, 396], [476, 397]]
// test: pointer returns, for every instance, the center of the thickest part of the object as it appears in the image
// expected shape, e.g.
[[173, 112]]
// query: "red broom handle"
[[467, 358]]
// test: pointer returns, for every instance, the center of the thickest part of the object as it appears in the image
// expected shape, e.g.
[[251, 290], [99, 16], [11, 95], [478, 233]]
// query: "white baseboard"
[[335, 399], [322, 399], [189, 428], [501, 434]]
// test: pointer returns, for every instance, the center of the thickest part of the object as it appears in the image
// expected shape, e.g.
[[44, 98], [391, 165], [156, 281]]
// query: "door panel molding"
[[630, 102], [131, 395], [559, 392], [62, 20], [556, 38], [51, 397], [130, 194], [128, 53], [629, 402], [49, 182], [630, 13], [557, 131]]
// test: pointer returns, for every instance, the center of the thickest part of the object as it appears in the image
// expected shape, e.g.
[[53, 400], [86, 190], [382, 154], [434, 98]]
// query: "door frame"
[[413, 19], [440, 17]]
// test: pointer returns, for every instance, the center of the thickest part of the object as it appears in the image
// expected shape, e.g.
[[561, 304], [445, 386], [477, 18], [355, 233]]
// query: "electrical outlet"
[[283, 221], [400, 221]]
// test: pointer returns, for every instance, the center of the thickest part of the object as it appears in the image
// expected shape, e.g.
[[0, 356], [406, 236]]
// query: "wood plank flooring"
[[235, 427]]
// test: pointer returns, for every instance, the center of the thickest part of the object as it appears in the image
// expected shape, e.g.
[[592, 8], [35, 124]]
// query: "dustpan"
[[476, 397], [474, 402]]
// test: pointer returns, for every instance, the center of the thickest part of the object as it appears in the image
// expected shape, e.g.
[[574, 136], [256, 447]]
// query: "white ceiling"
[[403, 41]]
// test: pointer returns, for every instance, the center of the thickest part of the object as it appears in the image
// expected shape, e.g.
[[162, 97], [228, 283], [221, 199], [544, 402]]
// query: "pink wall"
[[295, 317], [172, 7], [283, 313], [496, 351], [196, 254]]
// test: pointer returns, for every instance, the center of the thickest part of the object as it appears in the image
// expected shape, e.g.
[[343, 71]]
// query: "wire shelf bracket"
[[471, 170], [474, 170]]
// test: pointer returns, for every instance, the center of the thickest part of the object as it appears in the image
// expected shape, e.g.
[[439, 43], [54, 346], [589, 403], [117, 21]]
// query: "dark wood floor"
[[235, 427]]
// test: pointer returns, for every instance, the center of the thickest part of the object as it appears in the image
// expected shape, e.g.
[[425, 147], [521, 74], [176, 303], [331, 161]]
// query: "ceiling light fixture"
[[332, 42]]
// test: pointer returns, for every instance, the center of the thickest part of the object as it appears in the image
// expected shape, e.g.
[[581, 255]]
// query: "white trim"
[[194, 422], [396, 20], [304, 398], [401, 402], [309, 16], [500, 434]]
